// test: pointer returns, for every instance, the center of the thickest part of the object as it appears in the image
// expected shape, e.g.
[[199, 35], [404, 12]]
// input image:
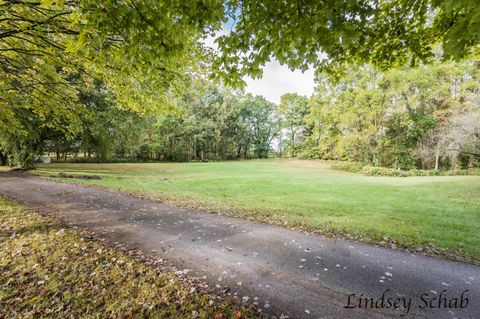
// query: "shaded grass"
[[50, 272], [437, 214]]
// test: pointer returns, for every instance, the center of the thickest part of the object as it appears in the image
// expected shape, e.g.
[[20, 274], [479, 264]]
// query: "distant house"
[[43, 159]]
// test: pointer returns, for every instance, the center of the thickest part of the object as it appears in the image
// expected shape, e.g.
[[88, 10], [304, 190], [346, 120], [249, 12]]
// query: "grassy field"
[[439, 215], [47, 271]]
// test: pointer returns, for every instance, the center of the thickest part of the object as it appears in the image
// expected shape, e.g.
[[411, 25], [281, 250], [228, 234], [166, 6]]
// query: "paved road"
[[291, 273]]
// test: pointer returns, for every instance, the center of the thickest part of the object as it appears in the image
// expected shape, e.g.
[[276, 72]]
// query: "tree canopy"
[[332, 35], [150, 44], [140, 49]]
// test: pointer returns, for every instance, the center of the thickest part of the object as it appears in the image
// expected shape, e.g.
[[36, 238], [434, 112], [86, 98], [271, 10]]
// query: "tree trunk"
[[437, 155], [292, 137], [437, 158]]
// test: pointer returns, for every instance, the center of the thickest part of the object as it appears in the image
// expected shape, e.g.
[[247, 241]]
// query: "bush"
[[100, 160], [384, 171], [347, 166]]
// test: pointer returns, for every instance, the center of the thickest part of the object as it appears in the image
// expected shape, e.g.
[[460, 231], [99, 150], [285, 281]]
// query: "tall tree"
[[293, 111]]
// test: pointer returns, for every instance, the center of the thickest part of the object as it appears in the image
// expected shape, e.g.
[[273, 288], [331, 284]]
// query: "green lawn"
[[430, 213]]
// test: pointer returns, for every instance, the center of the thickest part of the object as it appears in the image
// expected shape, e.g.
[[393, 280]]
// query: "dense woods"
[[133, 80], [426, 117], [209, 123]]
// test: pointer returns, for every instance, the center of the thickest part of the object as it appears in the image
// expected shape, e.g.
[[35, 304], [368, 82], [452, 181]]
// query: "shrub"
[[101, 160], [347, 166], [385, 171]]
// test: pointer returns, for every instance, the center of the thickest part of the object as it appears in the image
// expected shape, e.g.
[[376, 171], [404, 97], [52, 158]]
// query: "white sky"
[[277, 80]]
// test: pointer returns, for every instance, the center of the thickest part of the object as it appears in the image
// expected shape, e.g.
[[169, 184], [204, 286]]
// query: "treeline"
[[426, 117], [209, 123]]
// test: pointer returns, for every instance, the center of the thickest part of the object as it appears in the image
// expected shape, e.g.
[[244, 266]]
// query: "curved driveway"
[[283, 271]]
